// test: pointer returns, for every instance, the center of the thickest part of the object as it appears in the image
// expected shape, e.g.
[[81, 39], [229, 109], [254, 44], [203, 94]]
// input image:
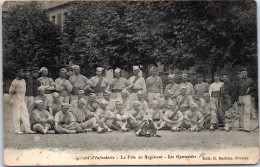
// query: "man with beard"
[[136, 83], [118, 84], [189, 90], [78, 82], [173, 88], [63, 86], [46, 82], [99, 83]]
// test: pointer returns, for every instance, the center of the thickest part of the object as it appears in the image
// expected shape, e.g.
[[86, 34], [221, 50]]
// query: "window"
[[53, 19]]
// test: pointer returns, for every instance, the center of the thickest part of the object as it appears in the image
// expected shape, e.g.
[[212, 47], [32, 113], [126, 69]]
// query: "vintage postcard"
[[130, 83]]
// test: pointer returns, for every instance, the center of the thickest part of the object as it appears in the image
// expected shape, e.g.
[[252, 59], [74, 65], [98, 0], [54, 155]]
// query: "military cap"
[[243, 69], [171, 76], [55, 94], [65, 104], [117, 70], [136, 68], [99, 69], [75, 67], [43, 68], [38, 102], [153, 69], [184, 75]]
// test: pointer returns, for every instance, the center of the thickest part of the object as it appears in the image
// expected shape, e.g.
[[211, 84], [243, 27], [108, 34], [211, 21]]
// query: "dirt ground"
[[120, 141]]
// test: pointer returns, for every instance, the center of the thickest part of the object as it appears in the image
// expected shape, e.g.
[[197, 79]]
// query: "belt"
[[215, 94], [135, 90], [183, 109], [116, 91]]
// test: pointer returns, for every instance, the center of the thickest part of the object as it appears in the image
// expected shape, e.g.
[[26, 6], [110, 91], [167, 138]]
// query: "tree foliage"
[[177, 34], [29, 37]]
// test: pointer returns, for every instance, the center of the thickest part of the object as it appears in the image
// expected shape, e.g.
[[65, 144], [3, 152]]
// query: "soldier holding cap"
[[99, 83], [188, 85], [78, 81], [154, 86], [118, 84], [243, 98], [63, 86], [17, 92], [173, 88], [137, 83]]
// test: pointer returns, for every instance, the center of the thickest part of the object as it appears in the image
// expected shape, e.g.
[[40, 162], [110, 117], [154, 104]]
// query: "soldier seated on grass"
[[193, 119], [85, 120], [135, 116], [105, 119], [65, 122], [172, 118], [42, 121]]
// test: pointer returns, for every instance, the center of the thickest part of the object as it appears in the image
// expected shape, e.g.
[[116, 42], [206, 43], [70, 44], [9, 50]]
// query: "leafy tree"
[[29, 37], [177, 34]]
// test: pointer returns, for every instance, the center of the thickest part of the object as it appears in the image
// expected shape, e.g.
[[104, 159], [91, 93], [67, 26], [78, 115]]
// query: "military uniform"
[[244, 98], [117, 85], [78, 82], [209, 113], [62, 119], [39, 126], [63, 87], [154, 87], [193, 120], [137, 83], [19, 109], [29, 99]]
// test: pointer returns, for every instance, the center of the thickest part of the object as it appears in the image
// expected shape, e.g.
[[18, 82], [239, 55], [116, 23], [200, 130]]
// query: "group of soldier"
[[75, 104]]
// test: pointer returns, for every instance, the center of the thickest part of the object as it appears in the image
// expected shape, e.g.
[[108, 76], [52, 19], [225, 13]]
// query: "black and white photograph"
[[130, 82]]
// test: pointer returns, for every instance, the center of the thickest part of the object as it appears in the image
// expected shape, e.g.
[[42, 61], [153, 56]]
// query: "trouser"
[[99, 95], [230, 117], [188, 124], [62, 130], [91, 123], [220, 112], [253, 109], [40, 127], [133, 97], [73, 97], [20, 113], [65, 99], [244, 111], [173, 126], [116, 95], [29, 101], [120, 122], [152, 96], [210, 119]]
